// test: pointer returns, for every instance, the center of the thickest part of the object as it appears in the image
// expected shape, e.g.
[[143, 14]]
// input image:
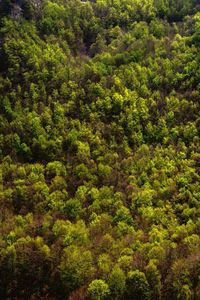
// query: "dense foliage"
[[99, 172]]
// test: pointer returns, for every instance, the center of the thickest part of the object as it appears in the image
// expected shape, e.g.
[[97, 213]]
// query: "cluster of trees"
[[99, 140]]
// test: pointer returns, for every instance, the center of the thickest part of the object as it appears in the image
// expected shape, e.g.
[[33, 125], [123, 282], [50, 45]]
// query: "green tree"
[[137, 286], [117, 282], [76, 268], [98, 290]]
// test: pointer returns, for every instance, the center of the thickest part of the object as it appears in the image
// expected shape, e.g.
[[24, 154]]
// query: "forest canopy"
[[99, 149]]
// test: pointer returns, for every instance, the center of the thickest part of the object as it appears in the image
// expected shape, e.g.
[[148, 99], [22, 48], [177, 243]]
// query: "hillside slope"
[[99, 149]]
